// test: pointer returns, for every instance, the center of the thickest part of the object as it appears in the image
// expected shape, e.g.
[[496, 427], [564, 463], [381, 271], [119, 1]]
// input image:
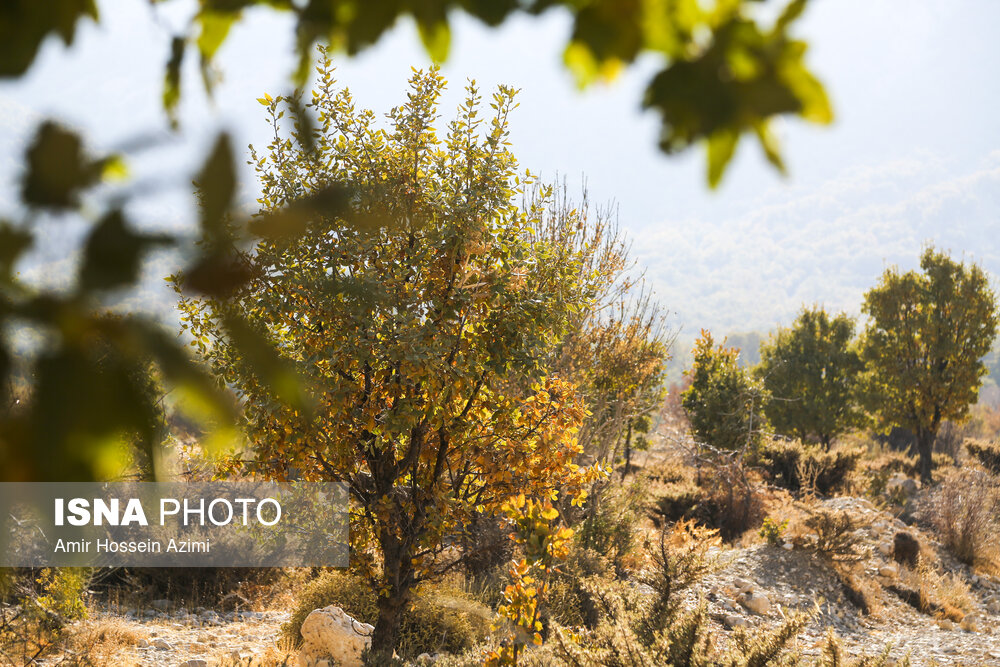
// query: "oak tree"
[[924, 342], [723, 402], [423, 326], [811, 371]]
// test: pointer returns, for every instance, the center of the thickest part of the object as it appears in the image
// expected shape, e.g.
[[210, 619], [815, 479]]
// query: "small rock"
[[734, 621], [787, 546], [425, 659], [888, 571], [162, 644], [900, 483], [142, 643], [755, 602], [885, 548], [194, 662], [946, 624], [742, 585]]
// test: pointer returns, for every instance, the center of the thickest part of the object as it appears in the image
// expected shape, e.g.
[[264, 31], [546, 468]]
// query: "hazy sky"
[[914, 156]]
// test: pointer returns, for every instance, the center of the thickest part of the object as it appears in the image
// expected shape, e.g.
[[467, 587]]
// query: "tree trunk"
[[925, 448], [628, 450], [386, 634], [397, 576]]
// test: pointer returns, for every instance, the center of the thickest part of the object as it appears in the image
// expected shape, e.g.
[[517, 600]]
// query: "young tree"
[[924, 342], [811, 372], [724, 402], [618, 361], [423, 324]]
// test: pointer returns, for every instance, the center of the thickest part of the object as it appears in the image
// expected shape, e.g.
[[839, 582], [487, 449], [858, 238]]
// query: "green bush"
[[724, 402], [439, 619], [987, 453], [772, 530], [609, 523], [64, 592], [570, 600], [794, 466]]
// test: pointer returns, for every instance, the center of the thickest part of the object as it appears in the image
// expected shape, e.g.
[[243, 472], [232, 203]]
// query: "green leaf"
[[57, 169], [25, 24], [275, 372], [172, 79], [770, 145], [721, 146], [791, 12], [215, 27], [436, 37], [217, 187], [291, 221], [13, 242], [113, 253]]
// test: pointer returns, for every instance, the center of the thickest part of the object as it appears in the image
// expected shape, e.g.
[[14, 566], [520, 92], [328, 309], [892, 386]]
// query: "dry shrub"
[[862, 591], [723, 495], [833, 656], [936, 594], [641, 630], [216, 587], [103, 642], [987, 453], [807, 468], [963, 509], [834, 530], [282, 655]]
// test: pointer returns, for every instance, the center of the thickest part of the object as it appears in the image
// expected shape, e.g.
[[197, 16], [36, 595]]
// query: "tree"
[[618, 359], [926, 336], [423, 327], [811, 372], [724, 402]]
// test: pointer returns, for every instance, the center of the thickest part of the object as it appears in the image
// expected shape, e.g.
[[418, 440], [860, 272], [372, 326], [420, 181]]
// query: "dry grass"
[[863, 591], [283, 655], [942, 595], [102, 642], [964, 510]]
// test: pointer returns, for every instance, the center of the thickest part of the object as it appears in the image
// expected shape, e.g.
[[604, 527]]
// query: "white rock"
[[787, 546], [888, 571], [162, 644], [742, 585], [331, 633], [755, 602]]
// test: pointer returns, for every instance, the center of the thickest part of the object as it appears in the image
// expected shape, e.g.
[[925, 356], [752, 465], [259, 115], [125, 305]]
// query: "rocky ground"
[[758, 584], [170, 637]]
